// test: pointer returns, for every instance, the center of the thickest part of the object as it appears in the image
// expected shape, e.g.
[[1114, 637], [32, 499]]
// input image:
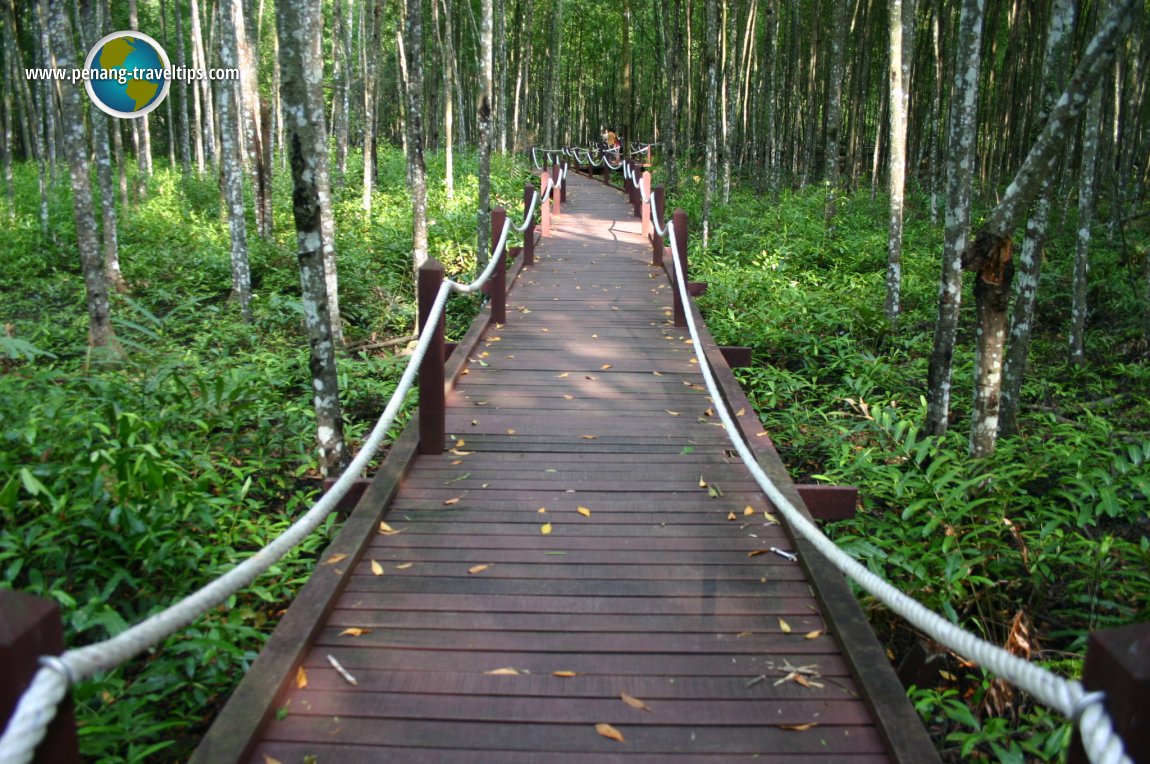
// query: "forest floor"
[[117, 481]]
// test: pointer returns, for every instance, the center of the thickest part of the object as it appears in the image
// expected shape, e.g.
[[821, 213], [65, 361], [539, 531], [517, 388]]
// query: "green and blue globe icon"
[[126, 74]]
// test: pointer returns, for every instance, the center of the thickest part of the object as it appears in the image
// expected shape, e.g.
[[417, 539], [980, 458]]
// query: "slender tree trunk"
[[232, 164], [519, 123], [171, 123], [936, 115], [549, 94], [249, 117], [448, 110], [624, 95], [730, 95], [186, 139], [484, 120], [47, 95], [1087, 175], [200, 60], [142, 126], [100, 333], [5, 147], [499, 56], [834, 107], [415, 133], [901, 22], [1030, 259], [300, 28], [371, 36], [710, 166], [671, 55], [959, 173]]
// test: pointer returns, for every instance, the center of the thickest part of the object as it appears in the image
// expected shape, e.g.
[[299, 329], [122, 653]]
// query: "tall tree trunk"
[[1058, 41], [448, 107], [553, 53], [249, 117], [519, 123], [483, 116], [959, 173], [415, 133], [200, 60], [1087, 174], [499, 56], [141, 125], [673, 45], [300, 53], [370, 42], [48, 91], [623, 115], [834, 106], [710, 166], [901, 22], [232, 163], [729, 101], [100, 333], [186, 140], [990, 253]]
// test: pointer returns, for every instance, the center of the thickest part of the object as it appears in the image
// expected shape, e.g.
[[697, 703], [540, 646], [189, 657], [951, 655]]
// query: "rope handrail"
[[1067, 696], [38, 704]]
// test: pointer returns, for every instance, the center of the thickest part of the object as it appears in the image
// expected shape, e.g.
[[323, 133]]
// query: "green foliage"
[[1054, 527], [123, 490]]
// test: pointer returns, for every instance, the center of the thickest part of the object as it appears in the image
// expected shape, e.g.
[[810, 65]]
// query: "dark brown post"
[[529, 234], [636, 197], [563, 186], [544, 205], [1118, 663], [680, 218], [29, 629], [432, 415], [656, 239], [627, 180], [497, 287]]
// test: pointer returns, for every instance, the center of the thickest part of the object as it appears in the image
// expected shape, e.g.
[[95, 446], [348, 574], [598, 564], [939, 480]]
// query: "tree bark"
[[75, 144], [483, 116], [232, 164], [370, 38], [200, 60], [186, 140], [415, 133], [959, 172], [301, 67], [1058, 41], [552, 56], [901, 23], [834, 107], [1082, 241], [710, 165], [519, 116]]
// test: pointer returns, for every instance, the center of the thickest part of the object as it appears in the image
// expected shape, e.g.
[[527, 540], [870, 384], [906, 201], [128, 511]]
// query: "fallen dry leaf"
[[605, 366], [813, 634], [387, 530], [564, 674], [271, 760], [672, 413], [477, 569], [541, 510], [376, 568], [301, 678], [634, 702], [510, 431], [583, 511], [589, 437], [404, 566], [748, 510], [657, 373], [451, 502], [544, 330], [457, 452], [798, 727], [334, 559], [732, 516], [756, 552], [354, 631], [702, 483], [569, 397], [740, 412], [460, 443], [508, 671], [770, 518], [546, 529], [607, 731], [784, 626], [564, 374], [742, 634]]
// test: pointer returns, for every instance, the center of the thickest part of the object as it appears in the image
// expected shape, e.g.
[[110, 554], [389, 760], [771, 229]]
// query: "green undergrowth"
[[1031, 549], [123, 488]]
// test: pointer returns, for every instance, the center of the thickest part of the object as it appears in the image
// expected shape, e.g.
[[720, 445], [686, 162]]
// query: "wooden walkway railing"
[[584, 550]]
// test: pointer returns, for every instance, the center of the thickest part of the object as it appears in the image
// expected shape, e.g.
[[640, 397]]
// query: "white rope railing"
[[1084, 709], [38, 704]]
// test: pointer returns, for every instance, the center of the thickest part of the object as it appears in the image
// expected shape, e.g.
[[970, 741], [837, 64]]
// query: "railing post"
[[544, 205], [29, 629], [1118, 663], [556, 194], [497, 287], [645, 206], [627, 180], [563, 186], [529, 234], [680, 218], [656, 239], [432, 413]]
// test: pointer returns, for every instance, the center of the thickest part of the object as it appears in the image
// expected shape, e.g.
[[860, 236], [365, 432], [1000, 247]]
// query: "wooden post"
[[1118, 663], [556, 192], [497, 286], [29, 629], [680, 218], [645, 190], [656, 239], [529, 234], [544, 205], [627, 180], [563, 187], [648, 155], [432, 413], [636, 198]]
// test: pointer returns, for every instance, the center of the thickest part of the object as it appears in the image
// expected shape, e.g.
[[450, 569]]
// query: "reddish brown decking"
[[587, 397]]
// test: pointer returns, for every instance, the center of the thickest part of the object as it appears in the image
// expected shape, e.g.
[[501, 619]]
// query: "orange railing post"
[[432, 412], [544, 206], [645, 191], [529, 234], [656, 239], [556, 194], [680, 218], [30, 628]]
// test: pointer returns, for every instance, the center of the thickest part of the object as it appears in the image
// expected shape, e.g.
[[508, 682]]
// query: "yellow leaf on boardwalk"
[[546, 529], [583, 511], [451, 502], [376, 568], [477, 569], [634, 702], [784, 626], [564, 674], [749, 510], [404, 566], [354, 631], [301, 678], [607, 731], [504, 672]]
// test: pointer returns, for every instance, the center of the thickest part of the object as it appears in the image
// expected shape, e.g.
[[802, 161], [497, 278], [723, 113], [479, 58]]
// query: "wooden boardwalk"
[[589, 535]]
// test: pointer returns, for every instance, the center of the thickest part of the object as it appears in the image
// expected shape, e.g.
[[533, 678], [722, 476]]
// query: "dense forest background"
[[178, 287]]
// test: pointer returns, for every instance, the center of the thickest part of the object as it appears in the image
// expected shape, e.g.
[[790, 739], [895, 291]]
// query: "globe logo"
[[127, 74]]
